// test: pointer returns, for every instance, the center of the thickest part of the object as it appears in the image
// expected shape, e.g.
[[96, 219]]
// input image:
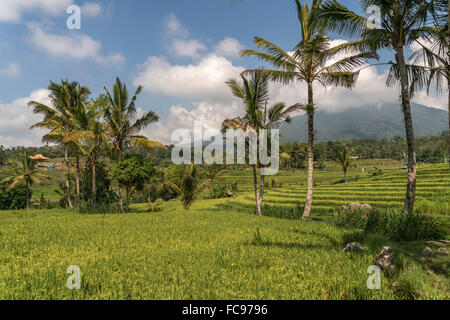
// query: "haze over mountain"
[[385, 121]]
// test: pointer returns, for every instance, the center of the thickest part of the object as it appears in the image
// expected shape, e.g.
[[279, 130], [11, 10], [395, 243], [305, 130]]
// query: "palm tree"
[[67, 98], [122, 125], [24, 171], [310, 64], [191, 185], [254, 93], [213, 171], [432, 61], [344, 158], [402, 22], [90, 137]]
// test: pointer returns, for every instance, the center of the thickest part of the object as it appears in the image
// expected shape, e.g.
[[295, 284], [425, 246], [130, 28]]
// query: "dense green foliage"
[[14, 199]]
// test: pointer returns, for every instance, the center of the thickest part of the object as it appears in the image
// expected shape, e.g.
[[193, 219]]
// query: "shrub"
[[102, 208], [14, 199], [398, 227], [351, 219], [376, 172], [155, 206], [291, 213], [218, 192], [405, 226]]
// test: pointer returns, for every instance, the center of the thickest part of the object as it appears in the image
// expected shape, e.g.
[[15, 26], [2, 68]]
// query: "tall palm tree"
[[431, 62], [122, 124], [401, 23], [67, 98], [254, 93], [310, 64], [90, 137], [24, 171]]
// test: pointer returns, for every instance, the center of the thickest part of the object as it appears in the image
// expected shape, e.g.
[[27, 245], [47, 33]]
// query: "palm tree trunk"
[[78, 179], [309, 195], [127, 201], [120, 186], [28, 195], [94, 184], [345, 175], [255, 184], [261, 194], [448, 105], [406, 107], [66, 155]]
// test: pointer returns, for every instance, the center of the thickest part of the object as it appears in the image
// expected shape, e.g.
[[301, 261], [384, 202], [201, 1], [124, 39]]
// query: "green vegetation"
[[190, 231], [209, 252]]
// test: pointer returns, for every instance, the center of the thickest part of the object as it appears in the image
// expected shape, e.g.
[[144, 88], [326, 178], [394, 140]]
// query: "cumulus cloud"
[[228, 47], [12, 70], [174, 28], [12, 10], [181, 117], [72, 45], [91, 9], [202, 81], [16, 118], [180, 43], [187, 48]]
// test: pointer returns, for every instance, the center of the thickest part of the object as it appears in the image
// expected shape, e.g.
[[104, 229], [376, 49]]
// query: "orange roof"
[[38, 157]]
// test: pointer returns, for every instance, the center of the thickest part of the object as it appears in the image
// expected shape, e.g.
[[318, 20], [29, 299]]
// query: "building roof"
[[38, 157]]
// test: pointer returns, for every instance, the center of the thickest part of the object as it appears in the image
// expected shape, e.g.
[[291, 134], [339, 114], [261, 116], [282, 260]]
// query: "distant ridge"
[[378, 122]]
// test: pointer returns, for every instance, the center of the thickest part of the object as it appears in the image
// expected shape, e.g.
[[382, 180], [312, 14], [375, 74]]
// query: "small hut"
[[42, 160]]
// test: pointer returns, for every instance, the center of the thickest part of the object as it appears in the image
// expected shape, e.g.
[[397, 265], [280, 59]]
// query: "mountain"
[[385, 121]]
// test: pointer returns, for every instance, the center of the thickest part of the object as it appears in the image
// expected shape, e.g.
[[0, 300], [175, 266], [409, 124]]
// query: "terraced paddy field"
[[384, 191], [210, 252], [221, 250]]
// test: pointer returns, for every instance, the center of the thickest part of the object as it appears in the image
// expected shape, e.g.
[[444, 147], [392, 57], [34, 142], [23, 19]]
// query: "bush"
[[46, 204], [405, 226], [397, 227], [376, 172], [155, 206], [291, 213], [218, 192], [14, 199], [351, 219], [102, 208]]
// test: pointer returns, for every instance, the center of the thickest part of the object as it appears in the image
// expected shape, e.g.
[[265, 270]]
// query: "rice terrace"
[[108, 192]]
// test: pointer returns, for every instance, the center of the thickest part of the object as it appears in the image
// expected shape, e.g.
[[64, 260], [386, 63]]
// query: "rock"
[[385, 260], [354, 246], [426, 252], [443, 251], [354, 206]]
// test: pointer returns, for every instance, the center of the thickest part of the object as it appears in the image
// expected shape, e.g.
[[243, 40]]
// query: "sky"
[[180, 51]]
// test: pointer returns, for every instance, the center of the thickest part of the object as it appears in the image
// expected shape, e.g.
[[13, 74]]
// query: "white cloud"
[[72, 45], [13, 70], [203, 81], [229, 47], [187, 48], [174, 28], [180, 43], [210, 114], [91, 9], [16, 118], [12, 10]]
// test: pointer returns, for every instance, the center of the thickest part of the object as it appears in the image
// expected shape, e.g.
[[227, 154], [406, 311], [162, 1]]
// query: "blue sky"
[[180, 51]]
